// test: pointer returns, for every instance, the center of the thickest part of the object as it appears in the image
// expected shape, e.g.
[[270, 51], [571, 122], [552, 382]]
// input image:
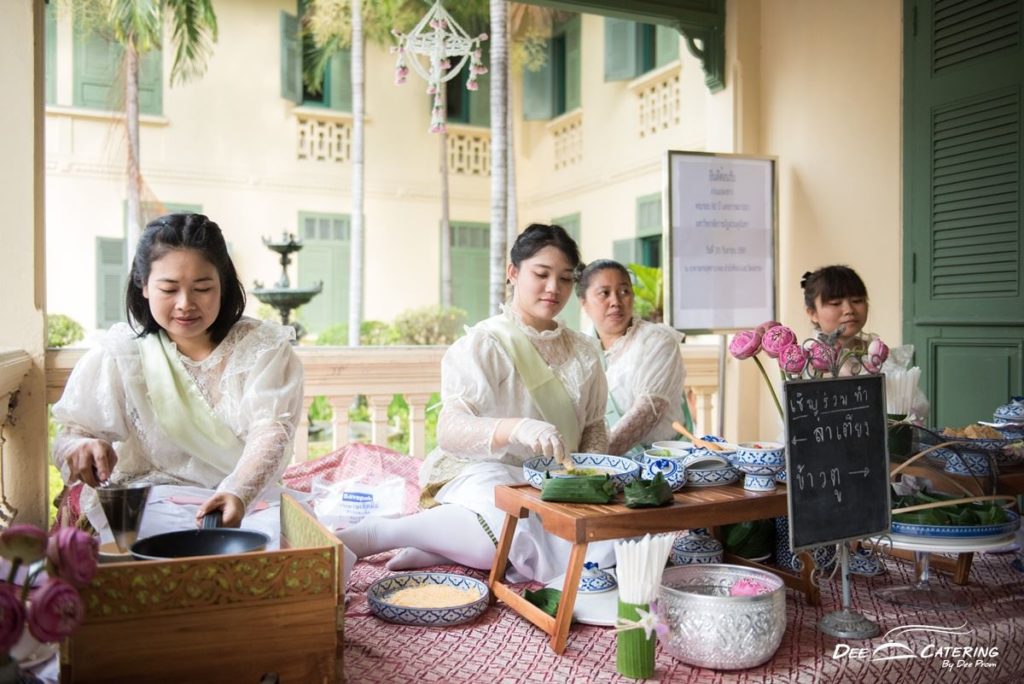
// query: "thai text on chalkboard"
[[837, 462]]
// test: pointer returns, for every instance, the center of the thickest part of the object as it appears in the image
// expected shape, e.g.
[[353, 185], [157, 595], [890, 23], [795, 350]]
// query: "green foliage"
[[371, 334], [648, 291], [62, 330], [430, 325], [398, 419]]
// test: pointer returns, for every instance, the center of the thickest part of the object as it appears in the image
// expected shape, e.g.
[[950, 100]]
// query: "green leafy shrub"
[[648, 289], [62, 330], [371, 334], [430, 325]]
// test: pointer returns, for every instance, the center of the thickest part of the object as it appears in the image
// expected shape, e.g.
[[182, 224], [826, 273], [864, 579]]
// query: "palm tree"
[[355, 291], [499, 150], [137, 25]]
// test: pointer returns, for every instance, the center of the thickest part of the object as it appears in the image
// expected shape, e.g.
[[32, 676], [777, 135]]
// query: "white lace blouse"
[[645, 371], [480, 386], [252, 380]]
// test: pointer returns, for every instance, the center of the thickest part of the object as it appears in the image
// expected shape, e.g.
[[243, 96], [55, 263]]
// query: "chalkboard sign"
[[837, 463]]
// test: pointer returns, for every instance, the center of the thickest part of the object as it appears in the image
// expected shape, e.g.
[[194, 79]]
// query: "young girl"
[[189, 391], [645, 370], [491, 422], [837, 300]]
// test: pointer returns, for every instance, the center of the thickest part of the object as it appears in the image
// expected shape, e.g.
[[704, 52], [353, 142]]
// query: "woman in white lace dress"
[[644, 367], [190, 392], [491, 422]]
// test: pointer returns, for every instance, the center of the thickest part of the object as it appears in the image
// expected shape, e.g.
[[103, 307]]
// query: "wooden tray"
[[230, 618]]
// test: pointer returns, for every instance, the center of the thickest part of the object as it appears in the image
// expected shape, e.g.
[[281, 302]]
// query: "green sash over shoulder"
[[184, 415], [546, 390]]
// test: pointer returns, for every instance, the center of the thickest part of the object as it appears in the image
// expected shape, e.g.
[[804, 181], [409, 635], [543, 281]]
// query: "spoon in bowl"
[[710, 446]]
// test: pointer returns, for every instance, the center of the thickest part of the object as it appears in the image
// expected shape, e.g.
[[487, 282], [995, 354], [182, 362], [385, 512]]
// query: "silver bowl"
[[710, 628]]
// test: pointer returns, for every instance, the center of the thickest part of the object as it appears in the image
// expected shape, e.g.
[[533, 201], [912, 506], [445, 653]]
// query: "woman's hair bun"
[[803, 279]]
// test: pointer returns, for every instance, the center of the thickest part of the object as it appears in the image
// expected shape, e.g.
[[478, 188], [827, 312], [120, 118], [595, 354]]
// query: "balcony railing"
[[323, 135], [469, 150], [341, 373], [659, 97]]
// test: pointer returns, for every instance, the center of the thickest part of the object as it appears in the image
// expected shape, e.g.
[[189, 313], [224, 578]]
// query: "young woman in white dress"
[[189, 391], [644, 367], [491, 422]]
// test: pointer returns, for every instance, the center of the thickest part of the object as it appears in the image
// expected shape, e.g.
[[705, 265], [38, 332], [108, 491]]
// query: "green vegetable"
[[752, 539], [961, 514], [596, 489], [648, 493]]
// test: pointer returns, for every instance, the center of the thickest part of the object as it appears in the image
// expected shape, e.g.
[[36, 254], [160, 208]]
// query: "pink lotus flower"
[[821, 356], [23, 543], [878, 352], [12, 617], [776, 338], [73, 555], [793, 359], [745, 344], [767, 325], [56, 611]]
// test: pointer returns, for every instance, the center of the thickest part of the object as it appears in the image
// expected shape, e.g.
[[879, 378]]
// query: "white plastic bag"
[[345, 502]]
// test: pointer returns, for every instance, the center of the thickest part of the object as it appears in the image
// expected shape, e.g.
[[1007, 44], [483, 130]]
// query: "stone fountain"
[[282, 296]]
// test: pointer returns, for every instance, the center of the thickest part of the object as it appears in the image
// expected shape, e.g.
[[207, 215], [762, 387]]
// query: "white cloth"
[[479, 387], [252, 380], [645, 363]]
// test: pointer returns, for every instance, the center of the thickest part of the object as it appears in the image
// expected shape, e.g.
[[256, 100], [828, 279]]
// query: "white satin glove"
[[541, 438]]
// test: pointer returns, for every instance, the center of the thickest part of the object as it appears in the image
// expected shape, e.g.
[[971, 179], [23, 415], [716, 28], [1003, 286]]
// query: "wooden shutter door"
[[571, 313], [963, 292], [291, 58], [539, 91], [573, 64], [96, 64], [666, 45], [111, 279], [471, 269], [324, 257], [621, 54]]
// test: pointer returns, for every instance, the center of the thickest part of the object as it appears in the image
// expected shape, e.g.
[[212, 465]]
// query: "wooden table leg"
[[563, 618], [501, 554], [963, 569]]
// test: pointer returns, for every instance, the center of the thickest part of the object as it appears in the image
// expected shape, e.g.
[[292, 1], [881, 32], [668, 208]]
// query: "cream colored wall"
[[821, 90], [228, 142], [23, 301]]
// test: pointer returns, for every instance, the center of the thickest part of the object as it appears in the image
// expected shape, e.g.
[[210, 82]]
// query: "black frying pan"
[[211, 540]]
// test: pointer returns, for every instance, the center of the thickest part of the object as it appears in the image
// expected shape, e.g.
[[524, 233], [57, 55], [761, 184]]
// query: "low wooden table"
[[581, 524]]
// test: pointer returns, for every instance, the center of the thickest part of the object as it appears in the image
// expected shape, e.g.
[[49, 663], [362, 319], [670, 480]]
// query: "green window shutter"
[[151, 77], [339, 78], [480, 101], [572, 64], [111, 278], [571, 313], [51, 54], [626, 251], [539, 91], [648, 215], [325, 258], [470, 255], [666, 45], [621, 49], [291, 58], [96, 64]]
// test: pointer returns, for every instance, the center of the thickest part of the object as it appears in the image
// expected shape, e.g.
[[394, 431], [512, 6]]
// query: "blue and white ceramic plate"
[[380, 591], [958, 531], [671, 469], [622, 470]]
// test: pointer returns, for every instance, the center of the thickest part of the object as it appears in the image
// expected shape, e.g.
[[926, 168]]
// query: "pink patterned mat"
[[503, 647]]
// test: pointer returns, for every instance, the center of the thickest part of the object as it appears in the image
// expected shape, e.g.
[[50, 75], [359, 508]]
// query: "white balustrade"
[[323, 136], [567, 131], [658, 100], [379, 373]]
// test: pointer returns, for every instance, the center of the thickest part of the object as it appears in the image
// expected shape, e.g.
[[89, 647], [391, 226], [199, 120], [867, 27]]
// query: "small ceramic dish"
[[1012, 412], [761, 453], [690, 548], [622, 470], [667, 452], [711, 477], [672, 444], [702, 459], [594, 580], [671, 469], [379, 593]]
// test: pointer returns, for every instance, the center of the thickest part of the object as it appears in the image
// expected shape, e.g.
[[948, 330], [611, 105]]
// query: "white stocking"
[[411, 558], [448, 530]]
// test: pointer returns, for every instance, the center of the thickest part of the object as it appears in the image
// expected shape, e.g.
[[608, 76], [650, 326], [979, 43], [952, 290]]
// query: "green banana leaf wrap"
[[580, 489], [545, 599], [648, 493]]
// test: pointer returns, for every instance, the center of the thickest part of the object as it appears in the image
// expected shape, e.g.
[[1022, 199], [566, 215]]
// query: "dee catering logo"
[[929, 643]]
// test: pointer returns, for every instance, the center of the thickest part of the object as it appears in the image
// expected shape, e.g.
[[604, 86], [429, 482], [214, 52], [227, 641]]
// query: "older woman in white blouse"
[[644, 368]]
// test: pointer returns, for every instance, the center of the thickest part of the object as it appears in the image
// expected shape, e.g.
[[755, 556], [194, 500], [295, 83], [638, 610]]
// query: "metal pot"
[[211, 540]]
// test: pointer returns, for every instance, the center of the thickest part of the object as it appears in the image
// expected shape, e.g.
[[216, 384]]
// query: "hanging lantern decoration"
[[437, 49]]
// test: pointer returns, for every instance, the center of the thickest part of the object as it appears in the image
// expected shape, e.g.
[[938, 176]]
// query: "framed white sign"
[[722, 217]]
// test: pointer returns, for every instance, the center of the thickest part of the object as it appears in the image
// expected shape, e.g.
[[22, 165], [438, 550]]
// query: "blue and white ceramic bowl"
[[622, 470], [958, 531], [1012, 412], [594, 580], [968, 463], [711, 477], [761, 453], [692, 548], [671, 469], [380, 591], [780, 476], [666, 452], [672, 444]]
